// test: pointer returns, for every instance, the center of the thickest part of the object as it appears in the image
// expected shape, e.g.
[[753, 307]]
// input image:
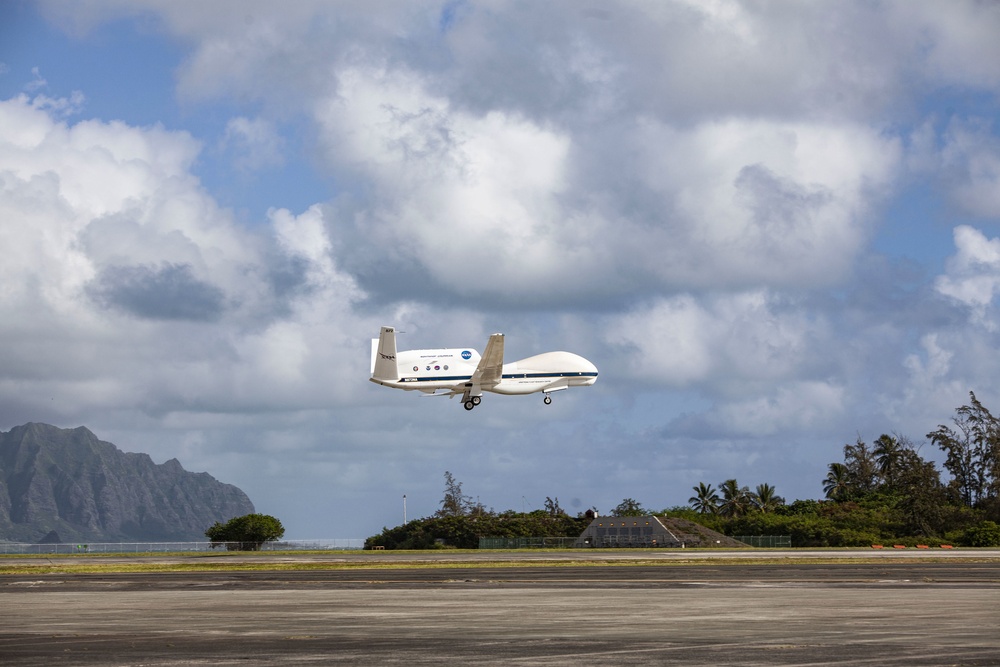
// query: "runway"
[[509, 608]]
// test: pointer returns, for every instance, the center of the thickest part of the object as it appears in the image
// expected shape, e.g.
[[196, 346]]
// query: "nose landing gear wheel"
[[548, 400]]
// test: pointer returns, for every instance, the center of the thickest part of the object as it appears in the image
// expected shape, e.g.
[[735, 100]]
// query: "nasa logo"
[[466, 355]]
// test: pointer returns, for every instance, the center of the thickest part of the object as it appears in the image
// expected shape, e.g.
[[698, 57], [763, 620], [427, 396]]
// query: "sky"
[[772, 226]]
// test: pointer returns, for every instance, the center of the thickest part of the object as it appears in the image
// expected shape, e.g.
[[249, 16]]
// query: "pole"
[[404, 509]]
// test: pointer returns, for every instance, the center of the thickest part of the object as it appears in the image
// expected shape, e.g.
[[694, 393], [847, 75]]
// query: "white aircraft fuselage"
[[464, 371]]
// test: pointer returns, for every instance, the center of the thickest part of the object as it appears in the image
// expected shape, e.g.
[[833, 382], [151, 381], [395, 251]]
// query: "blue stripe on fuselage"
[[510, 376]]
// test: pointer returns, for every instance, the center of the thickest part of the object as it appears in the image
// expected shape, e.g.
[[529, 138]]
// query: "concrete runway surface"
[[626, 607]]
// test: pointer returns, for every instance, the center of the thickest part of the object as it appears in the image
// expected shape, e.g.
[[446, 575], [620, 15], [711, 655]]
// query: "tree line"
[[882, 492]]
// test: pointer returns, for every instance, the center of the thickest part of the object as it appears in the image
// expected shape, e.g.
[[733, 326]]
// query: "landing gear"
[[547, 399], [476, 400], [472, 402], [469, 404]]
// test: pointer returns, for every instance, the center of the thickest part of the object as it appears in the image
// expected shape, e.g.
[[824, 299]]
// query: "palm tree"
[[766, 499], [735, 499], [889, 456], [837, 482], [706, 500]]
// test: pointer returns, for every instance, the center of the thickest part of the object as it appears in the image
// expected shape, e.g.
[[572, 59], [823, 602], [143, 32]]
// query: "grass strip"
[[247, 565]]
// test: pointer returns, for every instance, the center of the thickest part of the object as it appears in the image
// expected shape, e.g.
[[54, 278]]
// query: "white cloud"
[[956, 45], [971, 158], [758, 201], [254, 142], [121, 272], [683, 191], [738, 339], [793, 407], [473, 199], [973, 274], [726, 203]]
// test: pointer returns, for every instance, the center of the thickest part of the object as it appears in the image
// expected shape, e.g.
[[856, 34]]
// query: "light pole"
[[404, 509]]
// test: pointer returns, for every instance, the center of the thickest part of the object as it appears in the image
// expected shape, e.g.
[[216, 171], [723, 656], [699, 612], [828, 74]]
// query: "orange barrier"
[[923, 546], [877, 546], [947, 546], [898, 546]]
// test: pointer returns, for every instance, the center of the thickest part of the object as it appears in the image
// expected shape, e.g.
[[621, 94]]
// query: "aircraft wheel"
[[469, 404], [548, 400], [476, 400]]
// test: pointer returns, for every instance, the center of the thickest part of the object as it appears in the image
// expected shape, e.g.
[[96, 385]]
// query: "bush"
[[986, 534], [463, 532]]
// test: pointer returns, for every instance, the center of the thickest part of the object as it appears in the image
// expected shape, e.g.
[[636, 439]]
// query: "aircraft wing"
[[490, 369]]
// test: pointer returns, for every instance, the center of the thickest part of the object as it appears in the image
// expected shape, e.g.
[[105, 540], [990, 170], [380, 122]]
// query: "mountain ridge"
[[71, 482]]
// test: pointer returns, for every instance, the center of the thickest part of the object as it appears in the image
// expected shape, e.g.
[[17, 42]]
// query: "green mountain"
[[68, 481]]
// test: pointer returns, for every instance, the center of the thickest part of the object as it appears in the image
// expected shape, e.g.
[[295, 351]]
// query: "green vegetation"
[[884, 493], [460, 523], [245, 533]]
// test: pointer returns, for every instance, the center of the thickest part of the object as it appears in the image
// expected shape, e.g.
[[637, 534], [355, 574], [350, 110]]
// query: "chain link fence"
[[526, 542], [773, 541], [15, 548]]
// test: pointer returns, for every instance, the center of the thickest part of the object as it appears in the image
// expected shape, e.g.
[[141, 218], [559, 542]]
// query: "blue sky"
[[772, 227]]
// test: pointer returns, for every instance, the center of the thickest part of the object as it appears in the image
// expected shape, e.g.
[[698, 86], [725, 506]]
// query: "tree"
[[973, 453], [454, 502], [921, 494], [889, 455], [861, 466], [735, 499], [765, 499], [245, 533], [837, 484], [705, 500], [552, 507], [629, 507]]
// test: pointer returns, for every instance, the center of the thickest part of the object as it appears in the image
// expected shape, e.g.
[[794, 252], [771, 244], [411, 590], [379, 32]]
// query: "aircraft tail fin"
[[384, 355]]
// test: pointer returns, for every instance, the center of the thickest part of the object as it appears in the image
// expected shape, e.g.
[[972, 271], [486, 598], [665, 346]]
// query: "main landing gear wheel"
[[469, 404], [548, 400], [476, 400]]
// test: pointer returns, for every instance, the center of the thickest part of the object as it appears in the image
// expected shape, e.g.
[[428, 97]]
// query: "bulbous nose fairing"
[[567, 364]]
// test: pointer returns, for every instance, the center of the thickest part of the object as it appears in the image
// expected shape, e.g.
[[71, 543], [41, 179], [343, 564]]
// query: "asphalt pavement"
[[620, 608]]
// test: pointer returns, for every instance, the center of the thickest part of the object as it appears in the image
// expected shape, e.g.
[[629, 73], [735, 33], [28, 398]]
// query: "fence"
[[526, 542], [15, 548], [631, 542], [775, 541]]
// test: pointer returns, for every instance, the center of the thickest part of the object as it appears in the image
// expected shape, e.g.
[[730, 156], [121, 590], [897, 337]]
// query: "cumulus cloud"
[[971, 158], [117, 249], [794, 407], [758, 202], [973, 273], [254, 142], [957, 47], [685, 192], [720, 204], [166, 292], [456, 194], [97, 198], [738, 339]]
